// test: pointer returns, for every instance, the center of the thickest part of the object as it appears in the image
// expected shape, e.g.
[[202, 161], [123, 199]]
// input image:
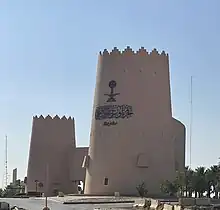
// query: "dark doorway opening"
[[106, 181]]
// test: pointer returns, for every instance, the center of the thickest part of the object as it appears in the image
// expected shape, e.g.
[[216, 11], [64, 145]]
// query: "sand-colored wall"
[[77, 171], [52, 143], [179, 144], [132, 138]]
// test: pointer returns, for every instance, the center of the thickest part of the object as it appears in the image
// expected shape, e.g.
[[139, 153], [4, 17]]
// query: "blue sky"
[[48, 57]]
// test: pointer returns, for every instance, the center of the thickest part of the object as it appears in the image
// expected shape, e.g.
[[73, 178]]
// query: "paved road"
[[37, 204]]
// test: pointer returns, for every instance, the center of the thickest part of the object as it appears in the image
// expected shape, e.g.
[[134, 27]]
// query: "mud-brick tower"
[[50, 156], [134, 137]]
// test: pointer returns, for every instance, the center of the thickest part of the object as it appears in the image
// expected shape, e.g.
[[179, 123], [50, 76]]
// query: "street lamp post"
[[36, 184], [47, 187]]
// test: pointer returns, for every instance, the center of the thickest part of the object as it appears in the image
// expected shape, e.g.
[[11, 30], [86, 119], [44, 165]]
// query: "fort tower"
[[53, 156], [134, 137]]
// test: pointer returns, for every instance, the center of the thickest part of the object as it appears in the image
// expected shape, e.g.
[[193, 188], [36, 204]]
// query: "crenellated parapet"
[[56, 117], [129, 51]]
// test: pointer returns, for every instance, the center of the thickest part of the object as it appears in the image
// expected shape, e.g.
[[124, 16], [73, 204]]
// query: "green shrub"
[[142, 190]]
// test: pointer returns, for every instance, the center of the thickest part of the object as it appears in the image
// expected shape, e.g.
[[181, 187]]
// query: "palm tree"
[[189, 173], [216, 183], [210, 179], [217, 190], [212, 175], [180, 182], [199, 182], [170, 188]]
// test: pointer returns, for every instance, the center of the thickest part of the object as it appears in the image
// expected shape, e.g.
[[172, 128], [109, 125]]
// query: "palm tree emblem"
[[112, 84]]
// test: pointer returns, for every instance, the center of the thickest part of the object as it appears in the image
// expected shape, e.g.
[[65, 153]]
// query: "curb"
[[96, 202], [55, 200]]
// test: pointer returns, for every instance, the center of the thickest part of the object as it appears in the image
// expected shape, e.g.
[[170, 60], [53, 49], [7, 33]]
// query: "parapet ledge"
[[128, 50], [56, 117]]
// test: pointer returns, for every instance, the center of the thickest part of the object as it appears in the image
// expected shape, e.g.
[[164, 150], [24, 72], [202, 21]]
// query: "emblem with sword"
[[112, 84]]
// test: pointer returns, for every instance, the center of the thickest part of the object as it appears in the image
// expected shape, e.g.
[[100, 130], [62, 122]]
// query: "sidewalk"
[[92, 199]]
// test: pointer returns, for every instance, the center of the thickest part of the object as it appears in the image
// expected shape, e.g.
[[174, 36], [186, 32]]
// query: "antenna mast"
[[6, 161], [191, 119]]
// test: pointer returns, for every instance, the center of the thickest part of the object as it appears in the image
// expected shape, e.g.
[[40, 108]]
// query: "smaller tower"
[[52, 144], [14, 176]]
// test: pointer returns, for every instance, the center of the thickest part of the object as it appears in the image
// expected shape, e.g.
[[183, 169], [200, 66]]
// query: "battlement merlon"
[[128, 50], [56, 117]]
